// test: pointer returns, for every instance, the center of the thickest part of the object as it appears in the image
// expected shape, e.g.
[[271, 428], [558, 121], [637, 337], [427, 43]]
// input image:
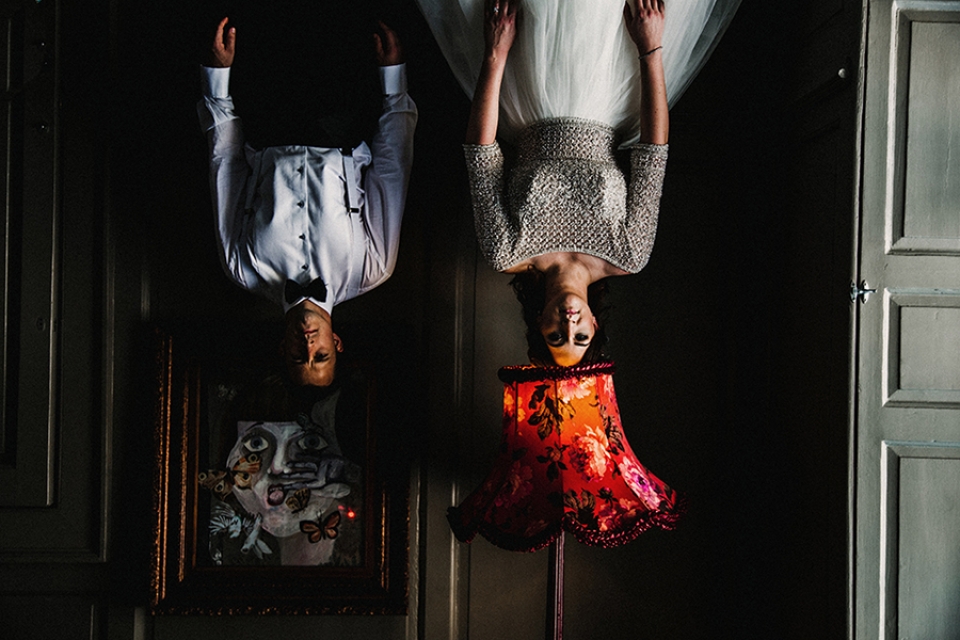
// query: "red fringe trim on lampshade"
[[661, 520]]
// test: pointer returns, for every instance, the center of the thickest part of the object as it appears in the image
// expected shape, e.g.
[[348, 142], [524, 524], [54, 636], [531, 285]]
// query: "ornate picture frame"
[[196, 567]]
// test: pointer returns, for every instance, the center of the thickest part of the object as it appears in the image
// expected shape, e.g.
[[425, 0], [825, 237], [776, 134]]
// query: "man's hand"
[[389, 51], [223, 47], [646, 25]]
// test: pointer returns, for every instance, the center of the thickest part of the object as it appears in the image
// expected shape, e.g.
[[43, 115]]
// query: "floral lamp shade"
[[564, 463]]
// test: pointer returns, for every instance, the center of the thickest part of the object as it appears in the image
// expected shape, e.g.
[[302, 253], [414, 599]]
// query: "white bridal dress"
[[574, 58]]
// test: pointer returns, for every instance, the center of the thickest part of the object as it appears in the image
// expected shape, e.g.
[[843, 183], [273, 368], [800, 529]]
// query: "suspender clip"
[[350, 175]]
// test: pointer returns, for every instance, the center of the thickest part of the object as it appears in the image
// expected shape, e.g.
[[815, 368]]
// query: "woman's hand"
[[499, 27], [223, 47], [646, 25], [499, 31]]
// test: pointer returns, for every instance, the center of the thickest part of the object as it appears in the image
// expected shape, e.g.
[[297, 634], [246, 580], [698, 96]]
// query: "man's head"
[[310, 346]]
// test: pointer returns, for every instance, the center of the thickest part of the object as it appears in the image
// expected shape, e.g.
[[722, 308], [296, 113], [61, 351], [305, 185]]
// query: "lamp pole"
[[555, 590]]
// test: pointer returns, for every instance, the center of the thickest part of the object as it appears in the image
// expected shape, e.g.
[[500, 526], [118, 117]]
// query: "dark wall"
[[732, 346]]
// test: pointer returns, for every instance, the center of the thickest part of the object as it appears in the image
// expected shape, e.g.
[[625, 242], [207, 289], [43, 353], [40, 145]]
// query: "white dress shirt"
[[300, 213]]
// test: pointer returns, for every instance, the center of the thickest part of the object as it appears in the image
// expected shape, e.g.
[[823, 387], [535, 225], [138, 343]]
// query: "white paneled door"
[[907, 513]]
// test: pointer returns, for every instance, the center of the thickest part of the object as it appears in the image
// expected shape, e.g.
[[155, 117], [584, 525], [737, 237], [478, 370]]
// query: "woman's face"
[[567, 326]]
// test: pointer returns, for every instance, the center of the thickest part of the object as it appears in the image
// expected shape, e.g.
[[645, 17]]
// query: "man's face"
[[310, 346], [288, 473]]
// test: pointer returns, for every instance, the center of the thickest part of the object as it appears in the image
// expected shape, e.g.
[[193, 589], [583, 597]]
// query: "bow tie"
[[315, 289]]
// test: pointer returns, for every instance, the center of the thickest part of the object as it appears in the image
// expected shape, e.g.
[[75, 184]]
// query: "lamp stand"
[[555, 590]]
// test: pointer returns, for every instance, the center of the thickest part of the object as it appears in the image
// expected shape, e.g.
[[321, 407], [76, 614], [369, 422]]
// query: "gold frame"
[[181, 585]]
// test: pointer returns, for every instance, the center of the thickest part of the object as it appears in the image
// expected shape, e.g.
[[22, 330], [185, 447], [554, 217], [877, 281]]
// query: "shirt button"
[[305, 267], [300, 204], [299, 169], [303, 237]]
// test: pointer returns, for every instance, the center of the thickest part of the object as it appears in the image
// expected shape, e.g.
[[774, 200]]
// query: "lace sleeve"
[[648, 163], [487, 193]]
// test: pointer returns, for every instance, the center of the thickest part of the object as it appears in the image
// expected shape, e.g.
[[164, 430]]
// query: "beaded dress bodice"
[[566, 193]]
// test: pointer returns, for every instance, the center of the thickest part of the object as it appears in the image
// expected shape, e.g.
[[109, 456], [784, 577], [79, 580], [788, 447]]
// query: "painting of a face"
[[287, 473]]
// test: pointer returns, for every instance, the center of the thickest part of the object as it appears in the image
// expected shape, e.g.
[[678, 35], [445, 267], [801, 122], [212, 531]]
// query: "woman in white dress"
[[567, 80]]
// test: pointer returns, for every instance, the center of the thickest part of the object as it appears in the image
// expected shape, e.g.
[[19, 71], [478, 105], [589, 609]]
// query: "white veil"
[[574, 58]]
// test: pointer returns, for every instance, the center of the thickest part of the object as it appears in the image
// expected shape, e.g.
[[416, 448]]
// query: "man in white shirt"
[[308, 227]]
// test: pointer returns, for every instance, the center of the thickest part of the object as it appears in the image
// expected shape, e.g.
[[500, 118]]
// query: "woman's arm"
[[646, 30], [499, 30]]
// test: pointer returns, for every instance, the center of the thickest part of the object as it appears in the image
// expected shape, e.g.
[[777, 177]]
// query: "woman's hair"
[[530, 286]]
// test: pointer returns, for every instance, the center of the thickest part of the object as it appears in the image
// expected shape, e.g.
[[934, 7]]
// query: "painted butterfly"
[[329, 529], [299, 499], [244, 468], [216, 480]]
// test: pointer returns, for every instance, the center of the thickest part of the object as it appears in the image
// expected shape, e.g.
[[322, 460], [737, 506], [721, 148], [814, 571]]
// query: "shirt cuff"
[[215, 82], [393, 79]]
